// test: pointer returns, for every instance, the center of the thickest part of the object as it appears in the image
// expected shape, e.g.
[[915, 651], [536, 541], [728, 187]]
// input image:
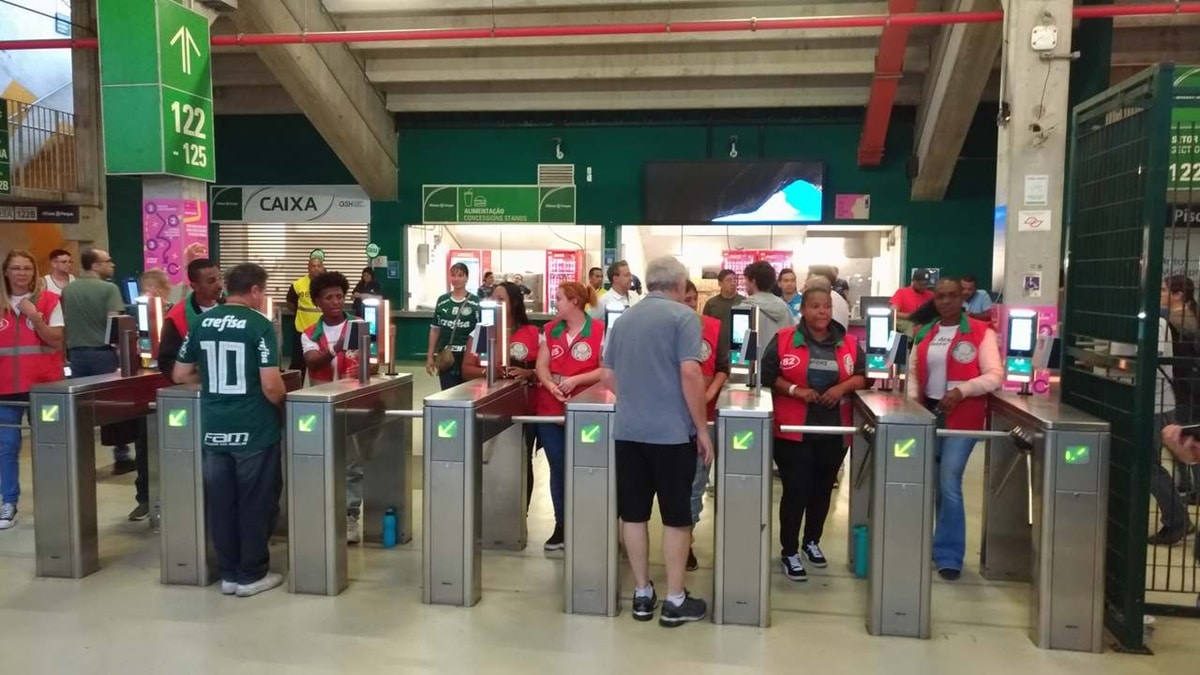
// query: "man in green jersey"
[[232, 353]]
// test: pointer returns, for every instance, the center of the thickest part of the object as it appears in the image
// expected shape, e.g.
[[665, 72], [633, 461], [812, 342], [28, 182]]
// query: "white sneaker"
[[228, 587], [271, 580], [8, 516], [353, 530]]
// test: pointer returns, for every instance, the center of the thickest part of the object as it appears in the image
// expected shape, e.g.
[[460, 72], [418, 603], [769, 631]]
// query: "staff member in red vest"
[[205, 279], [523, 338], [568, 362], [811, 368], [715, 369], [31, 336], [955, 365]]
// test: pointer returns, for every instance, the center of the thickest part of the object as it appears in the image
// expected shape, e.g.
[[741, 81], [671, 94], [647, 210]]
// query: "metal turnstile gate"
[[591, 582], [504, 477], [741, 569], [457, 423], [321, 422], [65, 415], [1045, 515]]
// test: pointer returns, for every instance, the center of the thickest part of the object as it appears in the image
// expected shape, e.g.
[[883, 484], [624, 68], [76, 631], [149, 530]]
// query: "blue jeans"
[[241, 494], [553, 438], [700, 481], [454, 376], [10, 454], [89, 362], [950, 530]]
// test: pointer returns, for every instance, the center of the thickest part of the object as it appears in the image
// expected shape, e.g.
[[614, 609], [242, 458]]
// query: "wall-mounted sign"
[[5, 171], [39, 213], [852, 207], [1183, 172], [174, 233], [290, 204], [498, 204]]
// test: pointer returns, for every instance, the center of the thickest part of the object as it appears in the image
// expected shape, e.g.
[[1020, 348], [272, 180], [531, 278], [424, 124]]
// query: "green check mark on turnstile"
[[1077, 454], [903, 449], [743, 440], [447, 428], [50, 413], [306, 424], [177, 418], [589, 434]]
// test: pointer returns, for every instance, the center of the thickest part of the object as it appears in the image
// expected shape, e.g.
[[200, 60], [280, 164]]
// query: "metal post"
[[186, 553], [590, 572], [364, 357]]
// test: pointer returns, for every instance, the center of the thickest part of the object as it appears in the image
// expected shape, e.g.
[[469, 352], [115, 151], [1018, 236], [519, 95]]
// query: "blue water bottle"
[[862, 551], [390, 534]]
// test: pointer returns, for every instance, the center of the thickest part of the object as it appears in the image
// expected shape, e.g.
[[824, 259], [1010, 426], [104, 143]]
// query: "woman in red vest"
[[955, 365], [568, 362], [31, 333], [715, 368], [523, 338], [811, 368]]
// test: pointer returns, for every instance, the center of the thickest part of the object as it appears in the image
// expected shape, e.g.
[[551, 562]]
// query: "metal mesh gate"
[[1117, 209]]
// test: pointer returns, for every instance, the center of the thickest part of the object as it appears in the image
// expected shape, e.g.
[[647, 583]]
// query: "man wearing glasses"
[[60, 271]]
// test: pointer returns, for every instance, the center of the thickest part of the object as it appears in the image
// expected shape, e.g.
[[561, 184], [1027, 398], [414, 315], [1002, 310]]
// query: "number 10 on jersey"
[[187, 135]]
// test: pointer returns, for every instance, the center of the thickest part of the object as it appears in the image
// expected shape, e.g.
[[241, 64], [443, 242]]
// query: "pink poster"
[[561, 265], [1047, 325], [852, 207], [174, 232]]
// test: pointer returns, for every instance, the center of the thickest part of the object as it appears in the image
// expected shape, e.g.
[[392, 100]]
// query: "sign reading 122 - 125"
[[186, 59]]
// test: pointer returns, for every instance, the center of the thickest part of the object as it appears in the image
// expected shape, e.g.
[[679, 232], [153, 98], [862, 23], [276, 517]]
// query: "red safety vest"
[[793, 368], [182, 316], [570, 358], [710, 336], [523, 347], [962, 364], [341, 367], [25, 360]]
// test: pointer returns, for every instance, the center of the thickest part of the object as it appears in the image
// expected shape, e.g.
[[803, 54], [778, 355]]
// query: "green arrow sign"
[[447, 429], [589, 433], [306, 424], [1077, 454], [903, 449], [50, 413], [177, 418], [743, 440]]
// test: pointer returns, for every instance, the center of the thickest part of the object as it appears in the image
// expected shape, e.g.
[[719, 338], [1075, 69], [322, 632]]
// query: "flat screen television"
[[759, 192]]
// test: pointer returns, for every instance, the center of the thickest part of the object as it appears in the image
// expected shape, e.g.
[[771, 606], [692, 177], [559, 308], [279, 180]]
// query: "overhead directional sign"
[[498, 204], [5, 172], [156, 89]]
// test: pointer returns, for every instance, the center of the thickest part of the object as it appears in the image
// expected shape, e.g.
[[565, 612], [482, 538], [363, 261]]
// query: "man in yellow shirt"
[[300, 301]]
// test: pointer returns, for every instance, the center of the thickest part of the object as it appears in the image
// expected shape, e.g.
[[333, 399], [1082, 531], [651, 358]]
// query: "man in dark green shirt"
[[232, 353], [718, 306]]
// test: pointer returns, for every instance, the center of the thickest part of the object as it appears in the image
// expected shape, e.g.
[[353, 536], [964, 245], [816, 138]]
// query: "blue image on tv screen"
[[797, 202]]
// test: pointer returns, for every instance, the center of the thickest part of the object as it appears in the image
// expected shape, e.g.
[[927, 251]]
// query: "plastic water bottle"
[[390, 534], [862, 551]]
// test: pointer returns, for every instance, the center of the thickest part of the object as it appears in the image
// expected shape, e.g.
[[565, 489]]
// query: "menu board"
[[561, 265], [739, 260]]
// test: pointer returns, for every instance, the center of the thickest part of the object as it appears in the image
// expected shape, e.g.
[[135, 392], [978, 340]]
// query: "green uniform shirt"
[[231, 343], [456, 319], [86, 304]]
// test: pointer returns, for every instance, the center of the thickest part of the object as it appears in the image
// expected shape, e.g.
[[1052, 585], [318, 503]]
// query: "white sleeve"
[[55, 319], [307, 345]]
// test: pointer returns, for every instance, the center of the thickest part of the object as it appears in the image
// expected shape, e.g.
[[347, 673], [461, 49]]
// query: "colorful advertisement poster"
[[174, 233], [561, 265], [1047, 325]]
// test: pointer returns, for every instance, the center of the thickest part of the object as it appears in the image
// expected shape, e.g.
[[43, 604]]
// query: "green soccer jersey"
[[230, 343], [456, 319]]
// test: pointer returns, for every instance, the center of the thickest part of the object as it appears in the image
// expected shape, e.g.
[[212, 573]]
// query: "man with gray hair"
[[652, 364]]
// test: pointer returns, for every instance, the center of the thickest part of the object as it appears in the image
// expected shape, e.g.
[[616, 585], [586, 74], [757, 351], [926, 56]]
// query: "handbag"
[[444, 359]]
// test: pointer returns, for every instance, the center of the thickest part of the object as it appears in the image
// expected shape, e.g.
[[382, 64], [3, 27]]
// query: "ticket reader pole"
[[741, 569], [591, 583], [896, 449], [1063, 549], [883, 344], [457, 423]]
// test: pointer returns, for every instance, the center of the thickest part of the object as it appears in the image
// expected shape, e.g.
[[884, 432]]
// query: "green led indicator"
[[177, 418], [743, 440], [306, 424], [1077, 454], [903, 449], [50, 413], [589, 433], [447, 429]]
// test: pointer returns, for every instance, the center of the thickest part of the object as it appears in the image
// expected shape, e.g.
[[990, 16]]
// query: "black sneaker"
[[792, 568], [814, 554], [124, 466], [692, 609], [1165, 537], [643, 608], [555, 542], [140, 512], [950, 574], [692, 564]]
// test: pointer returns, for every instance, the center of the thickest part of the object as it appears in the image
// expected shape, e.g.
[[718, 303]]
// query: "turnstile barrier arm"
[[818, 430]]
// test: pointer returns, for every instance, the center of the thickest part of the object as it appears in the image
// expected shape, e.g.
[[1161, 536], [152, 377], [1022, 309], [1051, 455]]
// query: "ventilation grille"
[[556, 174], [284, 249]]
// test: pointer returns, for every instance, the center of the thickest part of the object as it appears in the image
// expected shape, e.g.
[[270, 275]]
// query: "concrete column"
[[92, 228], [1031, 154]]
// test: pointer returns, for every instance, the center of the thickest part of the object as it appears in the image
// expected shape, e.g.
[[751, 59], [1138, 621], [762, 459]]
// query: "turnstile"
[[1045, 507], [65, 415], [591, 582], [504, 476], [893, 486], [741, 569], [321, 422], [457, 423]]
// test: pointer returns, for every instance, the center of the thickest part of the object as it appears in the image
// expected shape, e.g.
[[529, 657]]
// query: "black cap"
[[921, 275]]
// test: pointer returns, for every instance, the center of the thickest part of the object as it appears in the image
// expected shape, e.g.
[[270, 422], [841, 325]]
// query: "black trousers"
[[241, 492], [297, 357], [808, 469]]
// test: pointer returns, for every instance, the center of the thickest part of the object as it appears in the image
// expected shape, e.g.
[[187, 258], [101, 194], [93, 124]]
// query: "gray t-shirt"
[[645, 350]]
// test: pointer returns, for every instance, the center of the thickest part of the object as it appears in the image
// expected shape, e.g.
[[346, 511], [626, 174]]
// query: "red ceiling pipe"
[[715, 26], [889, 68]]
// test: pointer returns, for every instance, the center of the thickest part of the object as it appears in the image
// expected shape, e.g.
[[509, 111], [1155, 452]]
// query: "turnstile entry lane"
[[741, 566], [65, 415], [1045, 512], [591, 582], [323, 425], [457, 423]]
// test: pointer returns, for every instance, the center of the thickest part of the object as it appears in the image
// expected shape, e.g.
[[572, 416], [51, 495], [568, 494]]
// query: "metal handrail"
[[412, 414], [539, 419], [41, 146], [969, 433]]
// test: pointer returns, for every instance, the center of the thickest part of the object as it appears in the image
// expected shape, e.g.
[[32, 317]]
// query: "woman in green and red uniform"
[[568, 362], [523, 338], [811, 368]]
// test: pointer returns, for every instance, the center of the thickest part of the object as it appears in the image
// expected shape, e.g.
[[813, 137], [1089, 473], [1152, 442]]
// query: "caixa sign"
[[331, 204]]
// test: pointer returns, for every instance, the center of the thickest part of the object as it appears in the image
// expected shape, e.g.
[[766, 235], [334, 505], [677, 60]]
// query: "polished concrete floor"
[[121, 620]]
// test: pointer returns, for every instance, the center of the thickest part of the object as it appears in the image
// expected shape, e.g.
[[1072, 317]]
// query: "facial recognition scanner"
[[883, 343], [493, 338], [130, 289], [377, 313], [356, 338], [149, 314], [743, 344], [1019, 347]]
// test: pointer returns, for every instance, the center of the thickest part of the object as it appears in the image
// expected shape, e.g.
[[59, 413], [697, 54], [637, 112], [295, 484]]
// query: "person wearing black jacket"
[[205, 279]]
